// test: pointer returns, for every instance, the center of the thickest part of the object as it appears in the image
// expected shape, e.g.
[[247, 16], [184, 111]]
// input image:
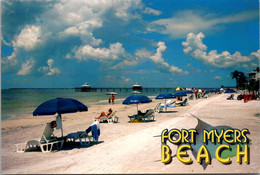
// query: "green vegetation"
[[244, 82]]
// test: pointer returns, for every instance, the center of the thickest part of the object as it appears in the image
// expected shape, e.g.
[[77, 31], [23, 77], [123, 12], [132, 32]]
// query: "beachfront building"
[[254, 75], [137, 87], [84, 88]]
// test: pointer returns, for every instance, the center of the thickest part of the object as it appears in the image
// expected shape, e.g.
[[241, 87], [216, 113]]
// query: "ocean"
[[17, 102]]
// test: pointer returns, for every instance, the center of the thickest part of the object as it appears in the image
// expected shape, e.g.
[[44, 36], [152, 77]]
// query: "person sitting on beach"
[[103, 114], [141, 113], [53, 124], [95, 128]]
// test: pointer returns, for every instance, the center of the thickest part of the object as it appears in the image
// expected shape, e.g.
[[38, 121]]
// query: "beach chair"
[[191, 97], [112, 118], [148, 116], [157, 108], [183, 103], [83, 138], [240, 97], [47, 142], [231, 97], [168, 104]]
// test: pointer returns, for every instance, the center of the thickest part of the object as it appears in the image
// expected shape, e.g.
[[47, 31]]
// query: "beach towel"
[[96, 123], [95, 131], [58, 122]]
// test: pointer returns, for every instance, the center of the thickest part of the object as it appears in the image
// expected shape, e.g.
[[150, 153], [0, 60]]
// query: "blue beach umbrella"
[[179, 94], [230, 91], [164, 96], [209, 91], [188, 92], [59, 106], [136, 99]]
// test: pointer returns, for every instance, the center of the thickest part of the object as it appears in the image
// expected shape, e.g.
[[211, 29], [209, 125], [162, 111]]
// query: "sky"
[[117, 43]]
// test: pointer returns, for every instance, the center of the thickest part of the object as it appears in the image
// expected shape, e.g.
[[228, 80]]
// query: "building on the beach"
[[84, 88], [137, 87], [254, 75]]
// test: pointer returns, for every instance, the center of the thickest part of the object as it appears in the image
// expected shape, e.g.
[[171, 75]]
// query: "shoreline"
[[129, 147]]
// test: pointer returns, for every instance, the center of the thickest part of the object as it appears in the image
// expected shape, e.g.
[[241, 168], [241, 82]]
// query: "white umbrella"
[[111, 93]]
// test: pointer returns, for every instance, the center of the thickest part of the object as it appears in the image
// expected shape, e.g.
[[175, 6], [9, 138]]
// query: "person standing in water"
[[109, 99], [113, 98]]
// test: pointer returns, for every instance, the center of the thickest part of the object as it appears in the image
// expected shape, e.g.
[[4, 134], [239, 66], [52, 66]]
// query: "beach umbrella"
[[179, 89], [136, 99], [165, 96], [230, 91], [188, 92], [59, 106], [179, 94], [111, 93], [209, 91]]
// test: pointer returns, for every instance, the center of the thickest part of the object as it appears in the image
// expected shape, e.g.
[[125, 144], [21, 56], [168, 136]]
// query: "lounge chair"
[[46, 143], [157, 108], [149, 115], [83, 137], [231, 97], [112, 118], [191, 97], [183, 103], [240, 97], [168, 104]]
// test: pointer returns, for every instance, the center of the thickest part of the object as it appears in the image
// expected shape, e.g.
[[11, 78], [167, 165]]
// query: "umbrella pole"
[[61, 127]]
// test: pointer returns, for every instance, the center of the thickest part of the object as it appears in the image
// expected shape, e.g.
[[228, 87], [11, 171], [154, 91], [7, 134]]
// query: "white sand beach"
[[129, 147]]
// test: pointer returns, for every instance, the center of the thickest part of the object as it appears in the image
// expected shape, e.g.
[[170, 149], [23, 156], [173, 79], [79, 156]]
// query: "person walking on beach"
[[109, 99], [113, 99]]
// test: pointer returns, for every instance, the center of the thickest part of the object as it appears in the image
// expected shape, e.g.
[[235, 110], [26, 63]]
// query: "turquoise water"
[[17, 102]]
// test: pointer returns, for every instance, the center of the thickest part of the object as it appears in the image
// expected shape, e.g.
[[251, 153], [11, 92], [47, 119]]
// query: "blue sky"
[[117, 43]]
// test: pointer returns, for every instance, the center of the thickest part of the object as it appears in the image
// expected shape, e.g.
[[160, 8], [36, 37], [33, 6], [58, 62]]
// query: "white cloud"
[[142, 53], [88, 52], [151, 11], [28, 38], [162, 65], [188, 21], [194, 47], [217, 78], [115, 80], [9, 63], [26, 67], [49, 69]]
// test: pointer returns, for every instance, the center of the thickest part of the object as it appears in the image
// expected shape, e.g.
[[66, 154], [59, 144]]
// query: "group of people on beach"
[[112, 98]]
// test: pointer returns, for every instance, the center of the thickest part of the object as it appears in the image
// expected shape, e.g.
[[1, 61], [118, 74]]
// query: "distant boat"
[[137, 87], [84, 88]]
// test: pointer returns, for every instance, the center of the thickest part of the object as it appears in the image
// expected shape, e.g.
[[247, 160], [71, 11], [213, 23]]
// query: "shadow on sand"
[[72, 145], [168, 111]]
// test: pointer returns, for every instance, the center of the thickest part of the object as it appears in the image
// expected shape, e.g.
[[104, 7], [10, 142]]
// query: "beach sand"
[[129, 147]]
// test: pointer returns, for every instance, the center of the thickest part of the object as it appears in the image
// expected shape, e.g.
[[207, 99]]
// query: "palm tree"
[[240, 77], [235, 75]]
